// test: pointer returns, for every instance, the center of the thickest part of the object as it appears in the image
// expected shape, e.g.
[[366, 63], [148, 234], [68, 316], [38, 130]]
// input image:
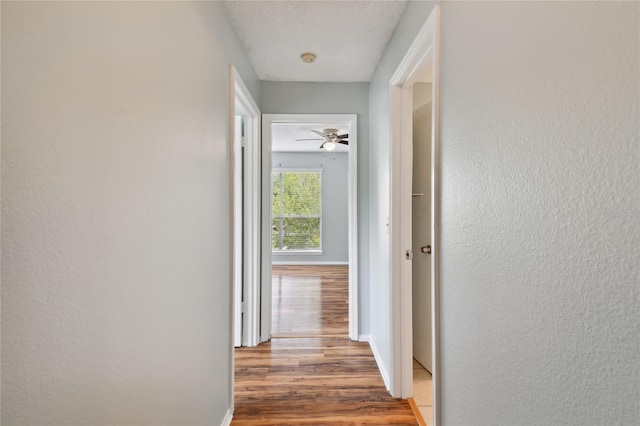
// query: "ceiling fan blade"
[[314, 139], [345, 136], [322, 146], [344, 142], [319, 133]]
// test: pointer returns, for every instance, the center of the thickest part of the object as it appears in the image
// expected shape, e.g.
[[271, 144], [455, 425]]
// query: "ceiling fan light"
[[329, 146]]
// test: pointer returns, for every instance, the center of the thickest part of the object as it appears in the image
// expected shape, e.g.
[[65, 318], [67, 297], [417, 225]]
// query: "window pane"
[[301, 233], [275, 234], [296, 210], [276, 190], [301, 194]]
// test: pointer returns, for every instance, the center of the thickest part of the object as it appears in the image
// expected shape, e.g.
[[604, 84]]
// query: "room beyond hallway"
[[315, 374]]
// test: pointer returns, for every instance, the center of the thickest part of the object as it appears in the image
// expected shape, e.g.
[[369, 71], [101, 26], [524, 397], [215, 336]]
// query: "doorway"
[[421, 59], [244, 141], [421, 246], [309, 230], [284, 241]]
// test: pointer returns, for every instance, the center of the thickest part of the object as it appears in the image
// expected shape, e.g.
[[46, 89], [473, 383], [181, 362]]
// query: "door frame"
[[423, 52], [238, 244], [240, 99], [348, 120]]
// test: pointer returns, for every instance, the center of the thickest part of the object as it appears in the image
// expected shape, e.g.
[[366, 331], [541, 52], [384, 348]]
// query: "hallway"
[[315, 375]]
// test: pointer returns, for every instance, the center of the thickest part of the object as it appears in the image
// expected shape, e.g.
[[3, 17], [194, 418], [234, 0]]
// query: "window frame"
[[311, 252]]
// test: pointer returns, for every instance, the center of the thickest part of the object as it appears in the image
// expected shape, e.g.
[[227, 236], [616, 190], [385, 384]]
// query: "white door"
[[421, 224]]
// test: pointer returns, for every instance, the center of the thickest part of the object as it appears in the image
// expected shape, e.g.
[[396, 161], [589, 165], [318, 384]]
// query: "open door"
[[421, 58], [421, 224]]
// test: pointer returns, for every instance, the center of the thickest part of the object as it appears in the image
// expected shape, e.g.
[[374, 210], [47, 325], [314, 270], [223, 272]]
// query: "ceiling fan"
[[330, 138]]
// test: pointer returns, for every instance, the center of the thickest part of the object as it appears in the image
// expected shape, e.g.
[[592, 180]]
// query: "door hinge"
[[242, 308], [242, 142]]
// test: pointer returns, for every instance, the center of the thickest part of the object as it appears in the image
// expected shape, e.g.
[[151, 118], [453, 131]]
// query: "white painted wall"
[[334, 98], [335, 227], [540, 210], [115, 207], [541, 213]]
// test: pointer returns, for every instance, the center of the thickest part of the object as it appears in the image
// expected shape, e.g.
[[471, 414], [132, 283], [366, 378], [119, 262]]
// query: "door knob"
[[426, 249]]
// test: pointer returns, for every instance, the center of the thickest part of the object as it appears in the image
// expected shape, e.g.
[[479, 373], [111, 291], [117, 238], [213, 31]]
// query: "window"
[[296, 210]]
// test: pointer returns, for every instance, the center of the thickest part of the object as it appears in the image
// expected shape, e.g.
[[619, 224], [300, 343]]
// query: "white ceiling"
[[283, 137], [348, 37]]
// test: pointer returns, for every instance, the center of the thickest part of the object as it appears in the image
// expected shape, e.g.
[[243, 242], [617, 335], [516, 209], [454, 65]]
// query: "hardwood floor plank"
[[310, 300], [325, 379]]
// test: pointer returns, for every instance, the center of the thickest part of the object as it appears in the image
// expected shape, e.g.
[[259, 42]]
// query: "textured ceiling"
[[283, 137], [348, 37]]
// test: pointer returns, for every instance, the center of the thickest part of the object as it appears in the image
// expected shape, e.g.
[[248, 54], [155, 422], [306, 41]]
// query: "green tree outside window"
[[296, 210]]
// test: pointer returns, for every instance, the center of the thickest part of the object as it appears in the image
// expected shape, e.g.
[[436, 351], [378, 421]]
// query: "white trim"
[[238, 244], [266, 254], [227, 419], [376, 355], [350, 121], [309, 262], [435, 226], [297, 170], [352, 197], [297, 252], [308, 151], [251, 210], [364, 338], [423, 51], [251, 223]]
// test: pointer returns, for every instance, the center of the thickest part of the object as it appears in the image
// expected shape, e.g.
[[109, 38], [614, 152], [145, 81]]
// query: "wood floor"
[[321, 377], [310, 301]]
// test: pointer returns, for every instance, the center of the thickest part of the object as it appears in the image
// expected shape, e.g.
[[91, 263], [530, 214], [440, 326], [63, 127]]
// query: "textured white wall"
[[540, 209], [115, 230], [541, 213], [334, 98]]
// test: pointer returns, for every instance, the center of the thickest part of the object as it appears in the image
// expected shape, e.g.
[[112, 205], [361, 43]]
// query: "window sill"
[[297, 253]]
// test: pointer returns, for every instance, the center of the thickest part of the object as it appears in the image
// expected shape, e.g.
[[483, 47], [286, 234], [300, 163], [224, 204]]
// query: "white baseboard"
[[227, 418], [309, 262], [376, 354]]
